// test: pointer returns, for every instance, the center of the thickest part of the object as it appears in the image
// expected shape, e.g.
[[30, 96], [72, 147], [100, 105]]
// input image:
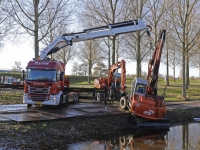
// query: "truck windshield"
[[44, 75]]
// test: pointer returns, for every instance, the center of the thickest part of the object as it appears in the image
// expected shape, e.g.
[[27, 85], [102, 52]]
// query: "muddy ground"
[[56, 134]]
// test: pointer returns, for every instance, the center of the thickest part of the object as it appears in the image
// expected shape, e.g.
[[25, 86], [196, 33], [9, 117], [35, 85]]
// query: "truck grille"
[[38, 93]]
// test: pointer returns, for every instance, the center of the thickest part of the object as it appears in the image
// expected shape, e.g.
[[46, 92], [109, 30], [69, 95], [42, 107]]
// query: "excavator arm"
[[153, 65], [113, 68], [93, 33]]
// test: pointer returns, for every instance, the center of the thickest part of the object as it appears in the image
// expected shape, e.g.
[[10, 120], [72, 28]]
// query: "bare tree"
[[65, 54], [33, 16], [75, 68], [83, 69], [183, 15], [6, 24], [100, 70], [136, 49], [99, 12], [17, 67], [89, 54], [174, 60]]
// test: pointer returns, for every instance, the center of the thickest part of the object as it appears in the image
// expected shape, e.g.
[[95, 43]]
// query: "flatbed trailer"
[[12, 86], [91, 91]]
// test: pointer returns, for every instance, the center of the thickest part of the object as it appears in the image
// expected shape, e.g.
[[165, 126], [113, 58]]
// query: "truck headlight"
[[54, 97]]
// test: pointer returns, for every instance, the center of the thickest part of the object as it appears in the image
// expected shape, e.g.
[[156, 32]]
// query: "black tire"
[[66, 100], [122, 140], [77, 96], [74, 98], [98, 97], [123, 103], [29, 105]]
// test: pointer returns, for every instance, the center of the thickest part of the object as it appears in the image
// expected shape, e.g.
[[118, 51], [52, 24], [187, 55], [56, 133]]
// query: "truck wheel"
[[66, 100], [123, 103], [29, 105]]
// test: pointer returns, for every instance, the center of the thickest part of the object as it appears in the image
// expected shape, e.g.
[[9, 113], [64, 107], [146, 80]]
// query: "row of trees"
[[44, 20]]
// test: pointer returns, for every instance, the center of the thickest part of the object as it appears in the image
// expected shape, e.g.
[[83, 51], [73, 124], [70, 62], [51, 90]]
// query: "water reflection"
[[184, 137], [179, 137]]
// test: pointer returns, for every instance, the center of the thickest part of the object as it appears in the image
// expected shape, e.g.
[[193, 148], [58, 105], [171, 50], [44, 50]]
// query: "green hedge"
[[12, 74]]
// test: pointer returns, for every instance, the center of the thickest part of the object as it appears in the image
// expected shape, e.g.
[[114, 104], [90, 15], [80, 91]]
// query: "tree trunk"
[[183, 74], [138, 58], [89, 72], [187, 71], [174, 73], [108, 54], [199, 67], [174, 66], [36, 3], [167, 65], [113, 49]]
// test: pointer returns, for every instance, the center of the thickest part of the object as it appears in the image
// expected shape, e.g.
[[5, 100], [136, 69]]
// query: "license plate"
[[38, 103]]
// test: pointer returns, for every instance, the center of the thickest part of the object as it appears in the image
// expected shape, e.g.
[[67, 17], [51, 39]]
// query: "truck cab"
[[44, 83]]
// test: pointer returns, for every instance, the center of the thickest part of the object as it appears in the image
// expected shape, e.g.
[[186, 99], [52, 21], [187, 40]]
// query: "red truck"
[[44, 83]]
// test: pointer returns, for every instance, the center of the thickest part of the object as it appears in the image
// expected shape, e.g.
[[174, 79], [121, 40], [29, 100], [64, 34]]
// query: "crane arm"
[[153, 65], [93, 33]]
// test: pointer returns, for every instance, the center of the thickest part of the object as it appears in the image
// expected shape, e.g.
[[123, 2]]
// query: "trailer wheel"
[[123, 103], [29, 105], [77, 97], [98, 97]]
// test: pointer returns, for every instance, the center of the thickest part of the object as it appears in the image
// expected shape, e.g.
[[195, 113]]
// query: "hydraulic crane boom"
[[93, 33], [153, 65]]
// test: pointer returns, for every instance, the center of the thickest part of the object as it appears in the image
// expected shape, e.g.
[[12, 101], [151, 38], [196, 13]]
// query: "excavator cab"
[[139, 85]]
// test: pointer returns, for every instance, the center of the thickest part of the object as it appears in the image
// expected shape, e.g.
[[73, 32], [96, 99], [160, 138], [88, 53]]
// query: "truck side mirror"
[[23, 74], [61, 76]]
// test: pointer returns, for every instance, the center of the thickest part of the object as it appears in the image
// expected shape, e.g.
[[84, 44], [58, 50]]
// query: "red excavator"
[[143, 101], [115, 83]]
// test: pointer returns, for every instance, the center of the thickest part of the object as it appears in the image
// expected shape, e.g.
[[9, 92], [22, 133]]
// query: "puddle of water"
[[179, 137]]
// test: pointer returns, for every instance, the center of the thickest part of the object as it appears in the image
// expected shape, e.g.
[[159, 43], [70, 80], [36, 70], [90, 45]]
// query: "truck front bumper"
[[53, 100]]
